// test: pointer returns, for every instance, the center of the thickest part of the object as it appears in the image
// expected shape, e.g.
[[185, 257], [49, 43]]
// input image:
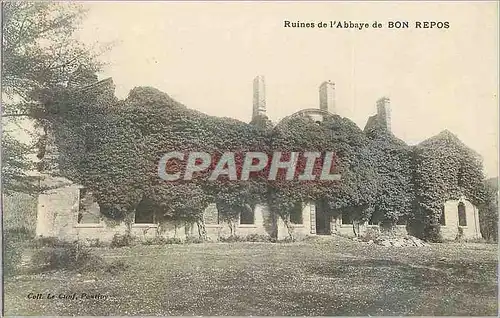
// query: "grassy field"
[[323, 276]]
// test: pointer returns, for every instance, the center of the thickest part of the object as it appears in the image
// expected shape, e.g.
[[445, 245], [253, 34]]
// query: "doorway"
[[322, 220]]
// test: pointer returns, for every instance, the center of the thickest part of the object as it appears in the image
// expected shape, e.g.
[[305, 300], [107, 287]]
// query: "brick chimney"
[[384, 112], [259, 96], [327, 97]]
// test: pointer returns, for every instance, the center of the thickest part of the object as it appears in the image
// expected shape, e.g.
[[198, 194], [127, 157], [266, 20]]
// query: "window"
[[144, 213], [462, 219], [247, 215], [346, 219], [88, 210], [442, 219], [373, 221], [296, 214], [211, 214]]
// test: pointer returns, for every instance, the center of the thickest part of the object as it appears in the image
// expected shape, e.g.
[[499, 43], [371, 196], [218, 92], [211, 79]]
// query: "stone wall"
[[58, 211], [451, 229], [58, 214], [299, 231]]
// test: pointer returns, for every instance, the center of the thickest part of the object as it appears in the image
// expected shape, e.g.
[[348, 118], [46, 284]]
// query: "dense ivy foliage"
[[488, 211], [443, 169], [353, 194], [395, 192], [113, 148]]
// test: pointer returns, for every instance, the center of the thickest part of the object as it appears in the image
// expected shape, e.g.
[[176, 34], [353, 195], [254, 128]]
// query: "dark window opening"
[[346, 219], [442, 219], [462, 219], [247, 215], [373, 221], [144, 213], [88, 210], [296, 214], [83, 195], [323, 219]]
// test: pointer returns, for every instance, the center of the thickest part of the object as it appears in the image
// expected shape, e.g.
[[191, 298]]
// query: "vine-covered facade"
[[385, 183]]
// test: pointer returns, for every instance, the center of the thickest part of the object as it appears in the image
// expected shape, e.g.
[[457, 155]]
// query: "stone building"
[[68, 211]]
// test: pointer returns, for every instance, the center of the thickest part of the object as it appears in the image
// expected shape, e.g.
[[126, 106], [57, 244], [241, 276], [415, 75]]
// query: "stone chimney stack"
[[259, 96], [327, 97], [384, 112]]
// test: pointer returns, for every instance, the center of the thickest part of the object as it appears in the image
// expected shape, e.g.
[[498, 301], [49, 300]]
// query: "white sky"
[[206, 55]]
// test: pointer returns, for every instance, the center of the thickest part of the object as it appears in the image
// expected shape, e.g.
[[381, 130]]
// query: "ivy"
[[113, 147], [443, 169], [395, 190]]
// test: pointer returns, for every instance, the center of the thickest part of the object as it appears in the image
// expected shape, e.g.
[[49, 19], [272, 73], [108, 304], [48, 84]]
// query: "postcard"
[[243, 158]]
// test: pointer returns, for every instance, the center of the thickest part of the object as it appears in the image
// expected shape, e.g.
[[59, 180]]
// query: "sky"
[[205, 55]]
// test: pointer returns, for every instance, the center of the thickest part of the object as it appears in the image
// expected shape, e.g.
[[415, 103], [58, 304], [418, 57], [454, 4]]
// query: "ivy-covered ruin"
[[112, 147]]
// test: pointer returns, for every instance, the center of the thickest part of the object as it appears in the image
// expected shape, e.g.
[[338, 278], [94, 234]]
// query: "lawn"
[[322, 276]]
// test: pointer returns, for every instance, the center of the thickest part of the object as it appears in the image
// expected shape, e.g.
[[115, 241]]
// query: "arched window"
[[211, 214], [247, 215], [144, 213], [462, 219], [89, 211]]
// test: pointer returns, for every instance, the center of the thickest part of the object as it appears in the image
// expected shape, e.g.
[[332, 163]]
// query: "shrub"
[[71, 257], [11, 257], [287, 239], [173, 240], [56, 242], [193, 240], [149, 241], [120, 240], [160, 240], [257, 238], [75, 257], [371, 234], [433, 234], [95, 243], [249, 238], [231, 239], [40, 242], [18, 234]]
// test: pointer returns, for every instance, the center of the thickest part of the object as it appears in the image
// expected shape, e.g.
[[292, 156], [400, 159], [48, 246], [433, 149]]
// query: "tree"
[[488, 211], [40, 52], [14, 166], [40, 56]]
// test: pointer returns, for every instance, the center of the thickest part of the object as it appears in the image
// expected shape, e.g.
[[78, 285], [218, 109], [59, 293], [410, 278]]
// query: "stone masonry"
[[68, 212]]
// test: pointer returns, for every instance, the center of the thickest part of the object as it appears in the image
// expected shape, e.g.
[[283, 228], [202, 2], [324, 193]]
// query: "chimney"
[[327, 97], [259, 96], [384, 112]]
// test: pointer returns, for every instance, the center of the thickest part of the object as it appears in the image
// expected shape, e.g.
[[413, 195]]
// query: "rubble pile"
[[394, 241]]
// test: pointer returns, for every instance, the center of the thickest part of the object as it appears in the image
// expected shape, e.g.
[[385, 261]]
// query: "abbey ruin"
[[68, 211]]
